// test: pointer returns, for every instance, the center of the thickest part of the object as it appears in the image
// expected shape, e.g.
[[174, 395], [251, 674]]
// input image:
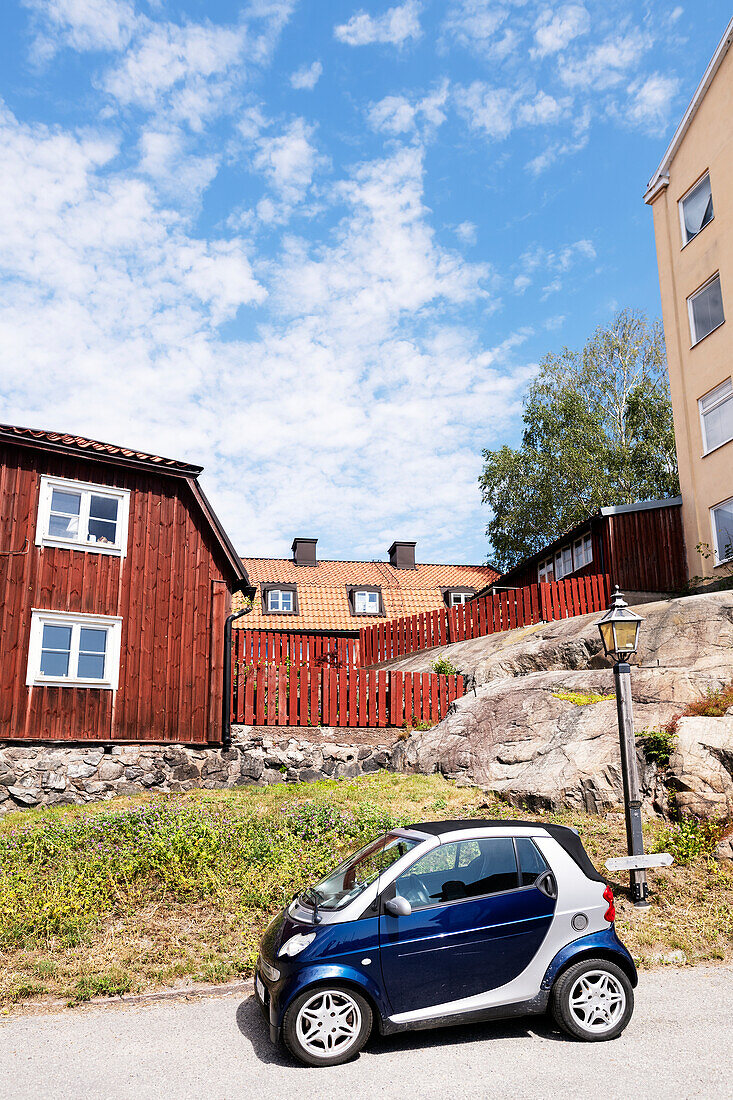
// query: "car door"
[[477, 921]]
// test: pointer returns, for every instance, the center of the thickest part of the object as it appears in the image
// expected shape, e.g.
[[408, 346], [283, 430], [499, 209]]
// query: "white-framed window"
[[716, 416], [74, 650], [582, 552], [366, 603], [722, 521], [81, 516], [280, 599], [457, 599], [696, 209], [705, 308], [546, 571]]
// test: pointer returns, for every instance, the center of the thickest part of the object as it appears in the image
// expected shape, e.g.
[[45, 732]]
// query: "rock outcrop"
[[513, 735]]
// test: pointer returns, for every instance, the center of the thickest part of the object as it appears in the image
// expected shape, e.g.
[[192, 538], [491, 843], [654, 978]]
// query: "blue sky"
[[319, 247]]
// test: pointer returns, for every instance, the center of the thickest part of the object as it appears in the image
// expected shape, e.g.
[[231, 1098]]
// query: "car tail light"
[[610, 914]]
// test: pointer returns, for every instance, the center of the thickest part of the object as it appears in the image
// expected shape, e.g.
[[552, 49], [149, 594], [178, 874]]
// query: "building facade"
[[691, 195], [305, 593], [115, 581], [639, 546]]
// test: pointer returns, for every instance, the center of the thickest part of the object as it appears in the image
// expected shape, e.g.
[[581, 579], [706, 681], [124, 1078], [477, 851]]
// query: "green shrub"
[[688, 840], [443, 667], [658, 745], [713, 704], [580, 699]]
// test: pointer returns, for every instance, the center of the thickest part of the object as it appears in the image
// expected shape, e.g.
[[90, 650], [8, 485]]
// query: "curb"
[[188, 992]]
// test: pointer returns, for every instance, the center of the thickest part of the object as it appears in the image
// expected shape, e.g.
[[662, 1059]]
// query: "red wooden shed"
[[115, 581]]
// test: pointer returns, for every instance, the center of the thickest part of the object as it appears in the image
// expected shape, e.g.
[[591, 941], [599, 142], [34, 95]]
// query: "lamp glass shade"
[[626, 635], [609, 642]]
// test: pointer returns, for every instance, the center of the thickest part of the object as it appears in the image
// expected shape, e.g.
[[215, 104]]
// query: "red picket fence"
[[486, 615], [306, 696], [276, 647]]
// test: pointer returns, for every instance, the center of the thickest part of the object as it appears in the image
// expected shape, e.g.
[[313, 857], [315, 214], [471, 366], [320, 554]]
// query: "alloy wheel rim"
[[597, 1001], [328, 1023]]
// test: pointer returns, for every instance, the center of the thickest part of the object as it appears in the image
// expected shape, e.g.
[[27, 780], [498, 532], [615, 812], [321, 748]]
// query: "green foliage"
[[443, 667], [598, 430], [658, 745], [580, 699], [112, 983], [688, 840]]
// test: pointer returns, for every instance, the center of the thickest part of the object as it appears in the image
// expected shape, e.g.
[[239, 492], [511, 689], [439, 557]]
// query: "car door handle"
[[546, 884]]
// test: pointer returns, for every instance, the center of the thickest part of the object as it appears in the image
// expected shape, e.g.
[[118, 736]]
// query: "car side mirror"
[[398, 907]]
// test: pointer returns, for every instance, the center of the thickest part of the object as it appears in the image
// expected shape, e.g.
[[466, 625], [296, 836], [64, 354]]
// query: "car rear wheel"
[[327, 1026], [593, 1000]]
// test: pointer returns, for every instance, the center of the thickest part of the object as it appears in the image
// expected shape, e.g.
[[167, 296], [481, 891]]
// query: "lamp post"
[[619, 630]]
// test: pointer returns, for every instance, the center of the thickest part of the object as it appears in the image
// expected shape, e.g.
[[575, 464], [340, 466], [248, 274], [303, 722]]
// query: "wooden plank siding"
[[172, 590]]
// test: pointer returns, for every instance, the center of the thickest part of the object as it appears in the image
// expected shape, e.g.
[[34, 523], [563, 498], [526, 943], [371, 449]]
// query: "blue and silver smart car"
[[446, 922]]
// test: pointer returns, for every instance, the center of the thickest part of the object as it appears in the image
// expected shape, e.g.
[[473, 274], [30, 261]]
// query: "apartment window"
[[696, 209], [722, 517], [280, 599], [69, 650], [81, 516], [716, 416], [705, 308]]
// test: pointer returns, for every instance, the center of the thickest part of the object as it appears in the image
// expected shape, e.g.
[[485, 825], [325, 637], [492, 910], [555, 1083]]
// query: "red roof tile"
[[322, 597], [77, 443]]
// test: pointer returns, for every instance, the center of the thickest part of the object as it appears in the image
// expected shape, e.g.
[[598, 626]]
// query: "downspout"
[[226, 707]]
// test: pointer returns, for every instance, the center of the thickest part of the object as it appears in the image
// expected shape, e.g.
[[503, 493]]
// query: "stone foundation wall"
[[54, 774]]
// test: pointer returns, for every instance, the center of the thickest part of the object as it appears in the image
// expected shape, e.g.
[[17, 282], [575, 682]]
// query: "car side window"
[[531, 861], [460, 870]]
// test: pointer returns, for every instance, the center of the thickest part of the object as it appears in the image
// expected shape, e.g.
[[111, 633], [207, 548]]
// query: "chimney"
[[304, 551], [402, 555]]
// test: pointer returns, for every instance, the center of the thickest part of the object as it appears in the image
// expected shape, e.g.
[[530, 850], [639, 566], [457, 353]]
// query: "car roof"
[[566, 837]]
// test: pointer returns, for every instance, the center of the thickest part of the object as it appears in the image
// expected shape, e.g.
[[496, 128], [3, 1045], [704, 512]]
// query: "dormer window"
[[456, 597], [365, 600], [280, 599], [81, 516]]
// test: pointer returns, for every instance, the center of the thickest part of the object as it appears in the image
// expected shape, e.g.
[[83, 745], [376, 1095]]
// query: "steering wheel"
[[417, 892]]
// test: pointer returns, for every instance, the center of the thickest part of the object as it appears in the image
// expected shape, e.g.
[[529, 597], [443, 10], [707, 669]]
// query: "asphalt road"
[[679, 1044]]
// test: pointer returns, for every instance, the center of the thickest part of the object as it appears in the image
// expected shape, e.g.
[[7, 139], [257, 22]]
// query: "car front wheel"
[[593, 1000], [327, 1026]]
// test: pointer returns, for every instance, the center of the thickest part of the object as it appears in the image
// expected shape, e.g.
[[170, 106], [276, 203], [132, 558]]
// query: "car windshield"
[[349, 880]]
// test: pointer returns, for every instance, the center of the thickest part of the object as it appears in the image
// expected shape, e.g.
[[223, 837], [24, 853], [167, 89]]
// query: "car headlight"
[[296, 944]]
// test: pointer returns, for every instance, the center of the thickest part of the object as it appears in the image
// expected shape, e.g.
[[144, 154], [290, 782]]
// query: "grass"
[[580, 699], [149, 892]]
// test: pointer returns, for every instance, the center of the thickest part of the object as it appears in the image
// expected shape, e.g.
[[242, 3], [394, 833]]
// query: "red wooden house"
[[115, 581]]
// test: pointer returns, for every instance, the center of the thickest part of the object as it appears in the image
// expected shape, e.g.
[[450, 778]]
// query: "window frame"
[[728, 397], [683, 229], [86, 489], [351, 591], [717, 559], [76, 620], [457, 590], [691, 298], [278, 586]]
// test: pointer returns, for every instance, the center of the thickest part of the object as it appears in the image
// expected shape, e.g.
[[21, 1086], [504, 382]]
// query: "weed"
[[580, 699], [111, 984], [688, 840], [443, 667], [658, 745], [714, 704]]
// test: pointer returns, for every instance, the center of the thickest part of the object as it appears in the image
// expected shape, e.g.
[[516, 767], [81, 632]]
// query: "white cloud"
[[81, 25], [521, 283], [496, 111], [650, 102], [480, 25], [542, 110], [396, 26], [556, 262], [307, 77], [289, 161], [395, 114], [605, 65], [556, 29], [467, 233]]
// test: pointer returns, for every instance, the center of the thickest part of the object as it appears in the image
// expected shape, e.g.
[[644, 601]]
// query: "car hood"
[[278, 931]]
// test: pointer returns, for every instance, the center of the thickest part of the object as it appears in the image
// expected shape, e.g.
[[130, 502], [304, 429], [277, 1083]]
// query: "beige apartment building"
[[691, 194]]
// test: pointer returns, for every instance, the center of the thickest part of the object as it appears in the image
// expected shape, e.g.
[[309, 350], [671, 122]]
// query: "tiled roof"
[[60, 440], [322, 598]]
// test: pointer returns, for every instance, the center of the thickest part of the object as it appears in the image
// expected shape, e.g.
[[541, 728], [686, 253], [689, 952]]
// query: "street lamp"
[[619, 630]]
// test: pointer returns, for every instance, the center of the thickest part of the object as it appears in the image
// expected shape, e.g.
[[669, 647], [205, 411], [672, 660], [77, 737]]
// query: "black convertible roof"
[[566, 837]]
